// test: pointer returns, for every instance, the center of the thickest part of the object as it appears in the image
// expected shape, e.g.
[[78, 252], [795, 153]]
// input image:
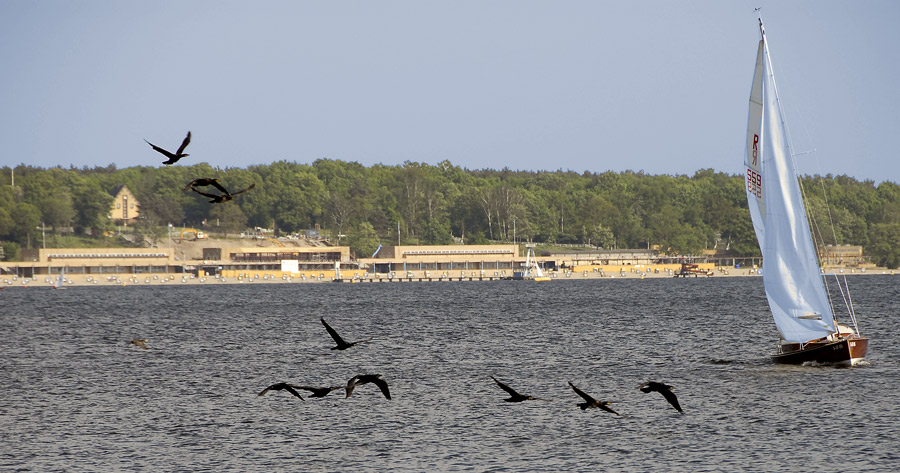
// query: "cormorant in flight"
[[206, 181], [368, 378], [663, 389], [279, 386], [514, 396], [173, 157], [341, 344], [218, 199], [319, 392], [591, 402]]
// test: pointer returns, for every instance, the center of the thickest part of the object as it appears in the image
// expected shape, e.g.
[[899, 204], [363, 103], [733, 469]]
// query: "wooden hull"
[[847, 351]]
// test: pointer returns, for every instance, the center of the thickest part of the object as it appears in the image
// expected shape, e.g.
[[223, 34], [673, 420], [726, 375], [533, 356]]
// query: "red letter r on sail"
[[755, 147]]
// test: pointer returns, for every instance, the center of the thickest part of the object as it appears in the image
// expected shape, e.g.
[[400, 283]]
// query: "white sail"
[[794, 287]]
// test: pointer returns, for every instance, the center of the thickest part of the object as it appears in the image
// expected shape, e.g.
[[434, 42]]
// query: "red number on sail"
[[754, 183]]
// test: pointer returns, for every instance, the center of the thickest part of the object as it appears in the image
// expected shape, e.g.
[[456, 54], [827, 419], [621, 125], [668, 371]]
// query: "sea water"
[[74, 395]]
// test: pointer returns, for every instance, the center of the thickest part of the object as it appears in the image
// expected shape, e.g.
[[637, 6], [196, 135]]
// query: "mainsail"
[[794, 286]]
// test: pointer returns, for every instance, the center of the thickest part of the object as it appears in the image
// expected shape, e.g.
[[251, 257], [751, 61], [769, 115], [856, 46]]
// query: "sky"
[[655, 86]]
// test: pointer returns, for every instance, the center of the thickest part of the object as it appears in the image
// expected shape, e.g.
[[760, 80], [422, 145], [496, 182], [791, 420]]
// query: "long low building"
[[115, 261], [98, 261], [327, 263], [444, 258], [235, 261]]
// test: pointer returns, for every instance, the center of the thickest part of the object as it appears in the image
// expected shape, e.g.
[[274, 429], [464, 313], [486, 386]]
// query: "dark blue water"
[[76, 396]]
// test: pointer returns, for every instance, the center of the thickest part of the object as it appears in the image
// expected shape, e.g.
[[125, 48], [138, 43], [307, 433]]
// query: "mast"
[[791, 271]]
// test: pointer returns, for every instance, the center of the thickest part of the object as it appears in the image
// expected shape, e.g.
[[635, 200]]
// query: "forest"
[[363, 206]]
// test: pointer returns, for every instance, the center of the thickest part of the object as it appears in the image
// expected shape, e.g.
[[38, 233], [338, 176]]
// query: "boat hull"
[[846, 351]]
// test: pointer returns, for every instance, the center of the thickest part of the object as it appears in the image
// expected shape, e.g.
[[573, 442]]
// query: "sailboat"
[[531, 270], [61, 280], [795, 286]]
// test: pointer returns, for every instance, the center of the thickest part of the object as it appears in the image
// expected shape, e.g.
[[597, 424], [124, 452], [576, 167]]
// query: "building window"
[[118, 205]]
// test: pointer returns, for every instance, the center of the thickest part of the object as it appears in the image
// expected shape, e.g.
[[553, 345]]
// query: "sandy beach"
[[361, 276]]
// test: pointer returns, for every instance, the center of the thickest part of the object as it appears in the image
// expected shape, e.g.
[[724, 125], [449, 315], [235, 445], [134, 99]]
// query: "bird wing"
[[245, 190], [293, 391], [647, 387], [511, 391], [164, 152], [350, 384], [382, 384], [187, 140], [215, 183], [607, 409], [581, 393], [264, 391], [191, 184], [337, 338], [670, 396], [205, 194]]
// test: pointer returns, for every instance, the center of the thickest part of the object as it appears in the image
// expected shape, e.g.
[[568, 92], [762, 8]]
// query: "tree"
[[363, 240], [6, 223], [92, 210], [228, 217], [436, 232], [161, 210], [885, 249], [601, 236], [27, 222]]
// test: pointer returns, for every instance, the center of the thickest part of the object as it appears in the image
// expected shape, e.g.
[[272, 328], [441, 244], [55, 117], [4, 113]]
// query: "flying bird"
[[663, 389], [514, 396], [173, 157], [139, 342], [368, 378], [206, 181], [341, 344], [591, 402], [225, 197], [319, 392], [282, 386]]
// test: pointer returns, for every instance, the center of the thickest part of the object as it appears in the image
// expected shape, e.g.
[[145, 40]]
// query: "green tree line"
[[443, 203]]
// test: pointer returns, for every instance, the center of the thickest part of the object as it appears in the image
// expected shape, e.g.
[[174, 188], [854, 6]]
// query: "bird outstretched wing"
[[334, 335], [511, 391], [581, 393], [238, 192], [351, 385], [160, 150], [383, 386], [289, 388], [206, 194], [670, 396], [187, 141], [215, 183]]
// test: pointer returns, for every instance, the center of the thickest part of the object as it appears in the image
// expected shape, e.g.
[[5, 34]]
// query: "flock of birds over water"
[[361, 379], [377, 380], [224, 196]]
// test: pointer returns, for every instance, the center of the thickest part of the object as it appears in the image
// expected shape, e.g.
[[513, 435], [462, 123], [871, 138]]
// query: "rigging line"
[[844, 297], [789, 142], [803, 124], [852, 310], [828, 210], [830, 299]]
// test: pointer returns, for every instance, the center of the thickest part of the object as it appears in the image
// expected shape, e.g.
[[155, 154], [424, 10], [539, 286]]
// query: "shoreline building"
[[125, 208]]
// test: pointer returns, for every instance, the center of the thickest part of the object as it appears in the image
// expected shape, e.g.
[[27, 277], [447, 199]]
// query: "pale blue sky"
[[658, 86]]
